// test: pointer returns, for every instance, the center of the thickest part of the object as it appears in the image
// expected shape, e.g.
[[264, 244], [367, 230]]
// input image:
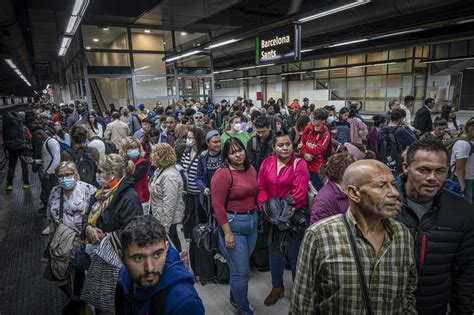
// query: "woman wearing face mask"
[[235, 131], [132, 150], [166, 188], [74, 195], [280, 175], [113, 205]]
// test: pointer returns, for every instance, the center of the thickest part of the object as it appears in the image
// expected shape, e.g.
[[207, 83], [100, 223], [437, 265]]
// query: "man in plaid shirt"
[[326, 278]]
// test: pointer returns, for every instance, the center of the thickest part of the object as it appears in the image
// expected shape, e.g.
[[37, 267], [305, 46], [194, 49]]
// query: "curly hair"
[[337, 165], [128, 143], [163, 155]]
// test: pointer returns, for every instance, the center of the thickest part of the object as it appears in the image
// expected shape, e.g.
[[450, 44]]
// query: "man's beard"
[[141, 280]]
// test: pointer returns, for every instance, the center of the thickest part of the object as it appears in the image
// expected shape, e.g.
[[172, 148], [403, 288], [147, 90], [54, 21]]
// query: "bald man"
[[327, 280]]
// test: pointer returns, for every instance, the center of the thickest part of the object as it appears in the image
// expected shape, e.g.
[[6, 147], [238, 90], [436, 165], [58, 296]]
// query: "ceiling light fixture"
[[17, 71], [349, 42], [333, 11], [399, 33], [183, 55], [95, 40], [183, 33], [147, 31], [142, 68], [464, 21], [71, 24], [290, 73], [88, 47], [78, 10], [106, 29], [307, 50], [226, 42], [253, 67]]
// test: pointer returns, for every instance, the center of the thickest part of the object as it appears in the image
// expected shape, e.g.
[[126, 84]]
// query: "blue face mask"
[[67, 182], [133, 154]]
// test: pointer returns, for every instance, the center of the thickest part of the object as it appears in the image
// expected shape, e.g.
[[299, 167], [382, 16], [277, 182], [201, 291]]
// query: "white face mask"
[[189, 142], [238, 127]]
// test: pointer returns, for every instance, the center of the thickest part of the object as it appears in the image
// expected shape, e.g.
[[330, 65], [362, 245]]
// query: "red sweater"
[[243, 194], [315, 143]]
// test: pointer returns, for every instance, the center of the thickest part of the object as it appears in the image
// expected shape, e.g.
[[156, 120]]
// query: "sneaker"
[[9, 188], [45, 231], [27, 186]]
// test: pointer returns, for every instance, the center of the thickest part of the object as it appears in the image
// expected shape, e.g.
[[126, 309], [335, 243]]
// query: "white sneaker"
[[46, 231]]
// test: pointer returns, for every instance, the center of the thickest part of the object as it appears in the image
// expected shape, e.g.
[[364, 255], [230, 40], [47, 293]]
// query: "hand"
[[207, 191], [299, 146], [229, 240], [308, 157], [417, 132], [78, 225], [28, 160], [94, 235]]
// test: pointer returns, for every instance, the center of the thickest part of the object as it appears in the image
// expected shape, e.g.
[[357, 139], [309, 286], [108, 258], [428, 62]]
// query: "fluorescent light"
[[191, 53], [253, 67], [290, 73], [447, 59], [464, 21], [65, 42], [77, 7], [142, 68], [223, 71], [147, 31], [158, 78], [349, 42], [183, 33], [10, 63], [70, 24], [88, 47], [62, 51], [332, 11], [307, 50], [399, 33], [173, 58], [227, 42], [95, 39], [106, 29]]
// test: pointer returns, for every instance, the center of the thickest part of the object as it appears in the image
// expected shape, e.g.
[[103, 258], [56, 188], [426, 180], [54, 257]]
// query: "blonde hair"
[[70, 166], [127, 143], [469, 123], [163, 155], [114, 163]]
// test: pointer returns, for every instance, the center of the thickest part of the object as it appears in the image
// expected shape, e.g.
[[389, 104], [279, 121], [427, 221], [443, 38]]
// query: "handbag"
[[312, 191], [205, 234], [360, 271]]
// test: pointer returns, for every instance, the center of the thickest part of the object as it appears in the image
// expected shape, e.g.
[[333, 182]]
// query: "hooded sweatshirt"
[[181, 298]]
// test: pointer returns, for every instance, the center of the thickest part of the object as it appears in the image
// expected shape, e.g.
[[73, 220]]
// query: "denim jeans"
[[468, 190], [277, 258], [316, 180], [244, 228]]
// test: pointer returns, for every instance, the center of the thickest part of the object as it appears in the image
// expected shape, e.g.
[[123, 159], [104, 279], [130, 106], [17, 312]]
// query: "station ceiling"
[[32, 29]]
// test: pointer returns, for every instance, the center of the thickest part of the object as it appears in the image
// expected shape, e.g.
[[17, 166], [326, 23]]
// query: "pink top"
[[242, 196], [291, 181]]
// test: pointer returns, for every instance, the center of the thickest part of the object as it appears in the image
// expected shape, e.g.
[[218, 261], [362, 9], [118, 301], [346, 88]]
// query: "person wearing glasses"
[[316, 140]]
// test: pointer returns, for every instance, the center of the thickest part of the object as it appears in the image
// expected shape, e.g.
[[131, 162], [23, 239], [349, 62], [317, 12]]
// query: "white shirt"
[[99, 145], [461, 150], [407, 119], [50, 160], [99, 131], [453, 132]]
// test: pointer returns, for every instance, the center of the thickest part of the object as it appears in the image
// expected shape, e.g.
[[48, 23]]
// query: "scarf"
[[104, 196]]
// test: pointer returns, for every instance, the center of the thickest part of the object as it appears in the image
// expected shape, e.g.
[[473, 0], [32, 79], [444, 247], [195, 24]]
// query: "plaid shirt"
[[326, 278]]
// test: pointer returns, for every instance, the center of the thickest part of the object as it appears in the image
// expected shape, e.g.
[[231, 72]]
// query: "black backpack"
[[85, 164], [14, 132], [390, 151]]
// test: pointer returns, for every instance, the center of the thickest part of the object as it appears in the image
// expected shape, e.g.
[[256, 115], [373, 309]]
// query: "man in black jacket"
[[442, 224], [260, 146], [423, 120]]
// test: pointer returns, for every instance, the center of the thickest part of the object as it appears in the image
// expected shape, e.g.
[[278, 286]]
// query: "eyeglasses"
[[198, 117]]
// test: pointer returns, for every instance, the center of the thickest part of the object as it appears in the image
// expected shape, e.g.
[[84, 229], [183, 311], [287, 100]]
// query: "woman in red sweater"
[[280, 175], [234, 199]]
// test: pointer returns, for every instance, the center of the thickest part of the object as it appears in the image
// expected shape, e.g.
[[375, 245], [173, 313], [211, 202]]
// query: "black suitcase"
[[202, 263], [260, 257], [222, 269]]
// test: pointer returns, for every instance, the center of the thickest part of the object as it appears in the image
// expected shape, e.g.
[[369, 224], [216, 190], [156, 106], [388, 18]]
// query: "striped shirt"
[[191, 171], [326, 278]]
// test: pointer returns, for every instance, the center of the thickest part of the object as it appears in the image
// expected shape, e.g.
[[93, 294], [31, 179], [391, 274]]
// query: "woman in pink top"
[[233, 193], [280, 175]]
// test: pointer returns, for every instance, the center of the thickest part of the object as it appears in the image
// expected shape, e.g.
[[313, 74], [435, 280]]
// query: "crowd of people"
[[369, 217]]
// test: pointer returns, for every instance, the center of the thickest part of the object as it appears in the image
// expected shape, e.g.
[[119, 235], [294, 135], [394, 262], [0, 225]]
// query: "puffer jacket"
[[444, 250], [166, 199]]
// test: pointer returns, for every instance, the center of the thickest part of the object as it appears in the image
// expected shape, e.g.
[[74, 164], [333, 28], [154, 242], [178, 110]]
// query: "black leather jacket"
[[444, 251]]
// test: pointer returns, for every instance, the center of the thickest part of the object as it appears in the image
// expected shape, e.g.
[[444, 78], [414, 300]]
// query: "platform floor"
[[23, 290]]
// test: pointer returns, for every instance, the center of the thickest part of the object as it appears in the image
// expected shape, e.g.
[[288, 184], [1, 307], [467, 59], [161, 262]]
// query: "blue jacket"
[[203, 176], [182, 298]]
